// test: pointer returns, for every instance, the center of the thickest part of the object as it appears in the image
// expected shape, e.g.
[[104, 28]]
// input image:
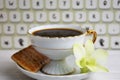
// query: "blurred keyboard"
[[17, 16]]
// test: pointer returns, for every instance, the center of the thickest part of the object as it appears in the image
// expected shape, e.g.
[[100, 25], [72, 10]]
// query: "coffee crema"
[[57, 32]]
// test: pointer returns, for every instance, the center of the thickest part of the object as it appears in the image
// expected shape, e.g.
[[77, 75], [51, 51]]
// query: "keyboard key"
[[3, 16], [14, 16], [21, 28], [37, 4], [28, 16], [107, 16], [67, 16], [77, 4], [94, 16], [102, 42], [11, 4], [54, 16], [6, 42], [91, 4], [100, 29], [87, 26], [64, 4], [20, 42], [116, 4], [24, 4], [80, 16], [51, 4], [41, 16], [114, 29], [117, 16], [1, 4], [8, 29], [115, 42], [104, 4]]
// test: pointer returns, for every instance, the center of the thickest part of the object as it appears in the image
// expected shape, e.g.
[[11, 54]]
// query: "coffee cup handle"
[[92, 32]]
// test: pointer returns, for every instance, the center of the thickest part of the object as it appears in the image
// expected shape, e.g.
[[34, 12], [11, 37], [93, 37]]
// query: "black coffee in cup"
[[57, 32]]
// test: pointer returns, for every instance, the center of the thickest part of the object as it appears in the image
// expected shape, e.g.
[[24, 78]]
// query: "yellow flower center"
[[87, 61]]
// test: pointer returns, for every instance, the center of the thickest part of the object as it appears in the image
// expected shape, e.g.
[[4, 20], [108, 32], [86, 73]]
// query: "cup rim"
[[48, 26], [65, 49]]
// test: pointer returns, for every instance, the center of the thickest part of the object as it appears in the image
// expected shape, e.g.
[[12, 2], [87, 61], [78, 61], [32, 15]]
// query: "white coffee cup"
[[58, 48]]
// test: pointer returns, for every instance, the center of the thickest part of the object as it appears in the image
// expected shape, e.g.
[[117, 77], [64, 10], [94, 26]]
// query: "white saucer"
[[41, 76]]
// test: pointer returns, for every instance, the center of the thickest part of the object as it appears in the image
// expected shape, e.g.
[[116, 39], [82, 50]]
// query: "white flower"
[[89, 59]]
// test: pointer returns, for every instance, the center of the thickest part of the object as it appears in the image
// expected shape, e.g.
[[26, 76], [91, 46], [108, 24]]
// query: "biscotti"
[[29, 59]]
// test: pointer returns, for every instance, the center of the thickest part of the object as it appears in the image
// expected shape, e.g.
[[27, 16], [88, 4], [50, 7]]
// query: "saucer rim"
[[39, 73]]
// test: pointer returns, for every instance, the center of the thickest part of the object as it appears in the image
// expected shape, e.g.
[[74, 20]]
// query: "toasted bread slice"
[[30, 59]]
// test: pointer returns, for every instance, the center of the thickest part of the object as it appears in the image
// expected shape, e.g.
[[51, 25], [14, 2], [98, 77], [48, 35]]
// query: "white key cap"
[[67, 17], [6, 42], [21, 28], [87, 26], [24, 4], [94, 16], [1, 4], [80, 16], [115, 42], [91, 4], [104, 4], [33, 25], [14, 16], [8, 28], [100, 29], [64, 4], [3, 16], [116, 4], [11, 4], [20, 42], [54, 16], [107, 16], [37, 4], [102, 42], [114, 29], [28, 16], [51, 4], [117, 16], [41, 16], [77, 4]]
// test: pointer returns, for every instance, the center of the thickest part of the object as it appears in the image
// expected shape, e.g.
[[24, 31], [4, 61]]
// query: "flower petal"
[[101, 56], [83, 62], [78, 63], [89, 46], [97, 68], [79, 51], [90, 61]]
